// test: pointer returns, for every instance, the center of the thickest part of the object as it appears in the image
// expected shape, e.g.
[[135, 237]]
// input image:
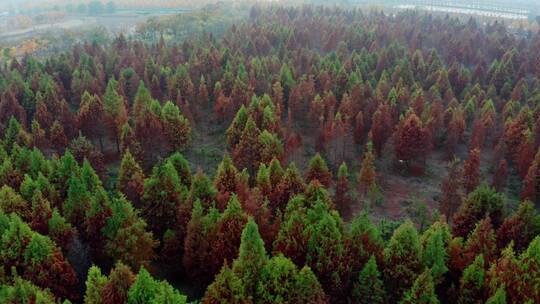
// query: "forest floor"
[[401, 194]]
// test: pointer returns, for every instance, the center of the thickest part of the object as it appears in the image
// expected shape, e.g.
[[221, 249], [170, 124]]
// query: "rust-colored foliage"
[[531, 187], [471, 171], [367, 170], [500, 176], [412, 140], [450, 188], [116, 289]]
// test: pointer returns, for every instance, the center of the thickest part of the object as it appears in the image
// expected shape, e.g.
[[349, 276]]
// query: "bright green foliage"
[[12, 202], [143, 289], [434, 254], [316, 193], [181, 165], [38, 249], [326, 253], [237, 127], [472, 283], [291, 240], [95, 218], [89, 177], [227, 178], [177, 128], [40, 259], [8, 174], [282, 282], [95, 282], [130, 178], [498, 298], [22, 291], [251, 257], [484, 200], [162, 194], [226, 288], [369, 288], [286, 77], [128, 239], [77, 202], [166, 294], [343, 198], [13, 241], [63, 170], [202, 189], [115, 110], [402, 260], [276, 171], [318, 170], [262, 180], [270, 147], [12, 133], [364, 241], [112, 101], [41, 213], [309, 290], [29, 186], [59, 228], [277, 280], [146, 289], [142, 99], [422, 291]]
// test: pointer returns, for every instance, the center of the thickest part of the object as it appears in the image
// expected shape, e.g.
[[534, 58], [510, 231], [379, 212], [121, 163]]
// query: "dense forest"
[[305, 114]]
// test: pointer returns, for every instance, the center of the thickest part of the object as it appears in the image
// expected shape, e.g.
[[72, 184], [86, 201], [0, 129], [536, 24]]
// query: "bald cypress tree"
[[115, 112], [228, 233], [146, 289], [434, 255], [472, 282], [471, 171], [226, 288], [251, 257], [247, 153], [226, 181], [369, 287], [422, 291], [498, 298], [291, 184], [326, 253], [484, 200], [318, 170], [282, 282], [162, 195], [95, 282], [116, 289], [519, 228], [362, 242], [343, 198], [131, 179], [481, 241], [128, 237], [176, 127], [367, 177], [402, 261]]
